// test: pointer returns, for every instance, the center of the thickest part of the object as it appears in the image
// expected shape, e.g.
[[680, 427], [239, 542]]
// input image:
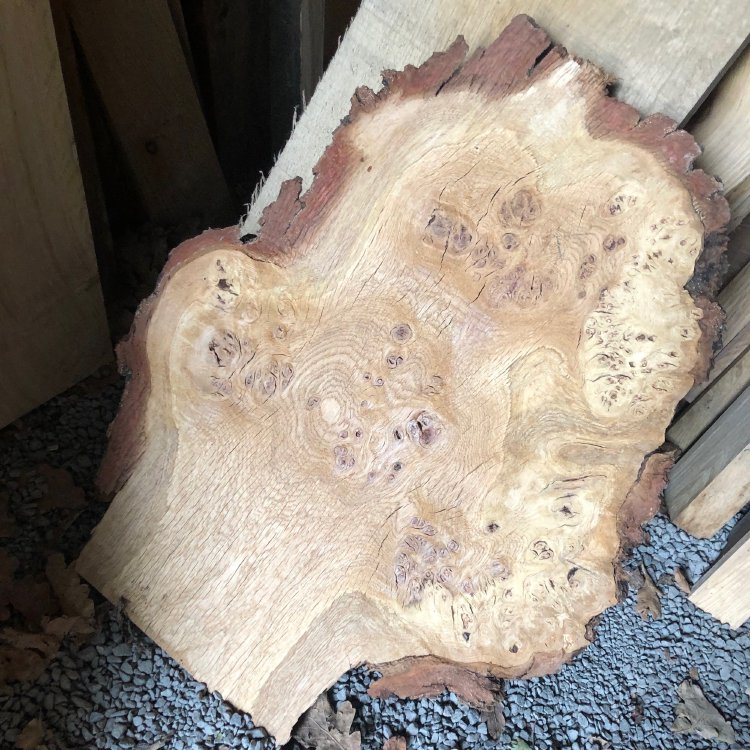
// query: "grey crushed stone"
[[119, 690]]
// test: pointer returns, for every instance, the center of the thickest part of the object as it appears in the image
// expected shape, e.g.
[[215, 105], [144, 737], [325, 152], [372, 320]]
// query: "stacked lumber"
[[723, 591], [711, 482]]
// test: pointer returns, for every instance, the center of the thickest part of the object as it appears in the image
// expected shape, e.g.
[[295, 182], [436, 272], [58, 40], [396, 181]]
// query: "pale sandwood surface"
[[139, 69], [666, 54], [53, 330], [708, 457], [699, 416], [723, 129], [724, 590], [408, 418]]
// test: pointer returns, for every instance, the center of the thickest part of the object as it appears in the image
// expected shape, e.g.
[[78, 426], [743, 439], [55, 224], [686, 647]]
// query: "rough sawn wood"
[[410, 418]]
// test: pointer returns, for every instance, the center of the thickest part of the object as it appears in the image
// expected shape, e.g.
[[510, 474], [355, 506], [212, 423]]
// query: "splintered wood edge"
[[521, 55]]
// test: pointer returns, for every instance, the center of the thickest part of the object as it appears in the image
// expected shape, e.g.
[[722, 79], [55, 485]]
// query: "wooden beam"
[[723, 591], [736, 336], [722, 128], [140, 71], [53, 330], [694, 503], [634, 40], [699, 416]]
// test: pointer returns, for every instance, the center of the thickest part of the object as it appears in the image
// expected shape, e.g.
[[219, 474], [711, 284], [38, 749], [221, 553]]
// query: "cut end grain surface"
[[405, 420]]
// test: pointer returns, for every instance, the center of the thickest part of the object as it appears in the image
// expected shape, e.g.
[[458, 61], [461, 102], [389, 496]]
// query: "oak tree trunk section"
[[411, 417]]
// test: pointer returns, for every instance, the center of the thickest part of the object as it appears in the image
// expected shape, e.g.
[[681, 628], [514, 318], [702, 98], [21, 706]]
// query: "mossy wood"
[[411, 417]]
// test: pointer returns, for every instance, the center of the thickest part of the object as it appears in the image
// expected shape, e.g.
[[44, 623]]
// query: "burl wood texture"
[[405, 420]]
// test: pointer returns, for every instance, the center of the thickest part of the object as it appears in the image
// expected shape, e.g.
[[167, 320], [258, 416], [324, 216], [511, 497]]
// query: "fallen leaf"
[[693, 672], [325, 729], [681, 581], [62, 492], [697, 715], [73, 595], [519, 744], [603, 744], [395, 743], [648, 602], [23, 656], [495, 720], [31, 736]]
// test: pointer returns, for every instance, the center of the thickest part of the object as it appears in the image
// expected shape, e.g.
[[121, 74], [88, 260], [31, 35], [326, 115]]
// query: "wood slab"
[[694, 503], [723, 591], [53, 330], [420, 414]]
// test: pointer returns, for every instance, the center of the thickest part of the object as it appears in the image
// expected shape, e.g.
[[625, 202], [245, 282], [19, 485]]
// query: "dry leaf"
[[495, 720], [62, 492], [697, 715], [681, 581], [23, 656], [693, 672], [31, 736], [648, 601], [519, 744], [71, 593], [325, 729], [395, 743]]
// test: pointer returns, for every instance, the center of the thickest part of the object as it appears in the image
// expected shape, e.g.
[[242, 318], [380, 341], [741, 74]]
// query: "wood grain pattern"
[[409, 417], [138, 67], [53, 330], [723, 591], [708, 457], [699, 416], [657, 67]]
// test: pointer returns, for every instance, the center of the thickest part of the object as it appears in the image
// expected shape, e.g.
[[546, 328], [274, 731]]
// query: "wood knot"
[[423, 429]]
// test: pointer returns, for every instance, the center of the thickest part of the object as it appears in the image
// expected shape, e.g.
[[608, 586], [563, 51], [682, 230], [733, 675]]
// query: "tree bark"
[[410, 418]]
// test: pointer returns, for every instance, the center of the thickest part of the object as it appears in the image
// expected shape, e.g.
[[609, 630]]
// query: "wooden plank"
[[137, 63], [707, 459], [53, 330], [723, 591], [735, 300], [697, 418], [84, 137], [722, 127], [633, 40], [725, 496]]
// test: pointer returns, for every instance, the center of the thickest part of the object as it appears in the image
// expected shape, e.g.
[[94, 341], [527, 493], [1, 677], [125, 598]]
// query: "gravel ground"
[[119, 690]]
